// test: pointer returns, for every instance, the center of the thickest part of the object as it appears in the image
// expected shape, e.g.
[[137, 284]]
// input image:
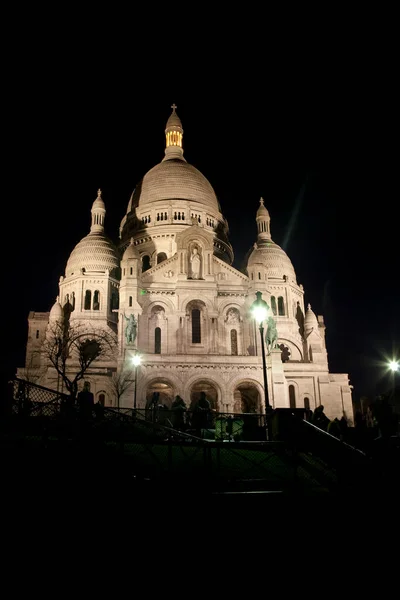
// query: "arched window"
[[196, 329], [88, 299], [145, 263], [37, 333], [273, 304], [307, 403], [130, 300], [161, 257], [234, 345], [96, 300], [131, 270], [114, 301], [102, 399], [73, 300], [292, 397], [281, 306], [157, 340]]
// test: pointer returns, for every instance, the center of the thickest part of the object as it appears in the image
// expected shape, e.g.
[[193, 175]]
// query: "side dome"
[[274, 259], [56, 311], [175, 179], [131, 252], [95, 252]]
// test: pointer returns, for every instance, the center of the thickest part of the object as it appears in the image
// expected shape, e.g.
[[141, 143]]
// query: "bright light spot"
[[394, 365], [260, 313], [137, 359]]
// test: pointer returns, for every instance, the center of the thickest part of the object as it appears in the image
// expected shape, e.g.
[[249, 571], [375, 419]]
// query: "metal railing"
[[189, 446]]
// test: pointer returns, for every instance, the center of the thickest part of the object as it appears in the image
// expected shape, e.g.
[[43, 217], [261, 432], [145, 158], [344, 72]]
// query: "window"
[[196, 330], [307, 403], [131, 270], [37, 333], [96, 300], [130, 300], [88, 300], [273, 304], [234, 345], [145, 263], [114, 301], [281, 306], [157, 340], [292, 397], [161, 257], [102, 399]]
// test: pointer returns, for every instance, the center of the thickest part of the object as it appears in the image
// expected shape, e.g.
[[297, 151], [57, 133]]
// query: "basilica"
[[167, 292]]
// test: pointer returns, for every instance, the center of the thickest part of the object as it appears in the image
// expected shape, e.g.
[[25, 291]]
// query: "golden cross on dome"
[[174, 106]]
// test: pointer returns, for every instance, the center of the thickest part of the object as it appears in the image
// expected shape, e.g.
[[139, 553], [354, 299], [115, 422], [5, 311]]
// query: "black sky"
[[314, 135]]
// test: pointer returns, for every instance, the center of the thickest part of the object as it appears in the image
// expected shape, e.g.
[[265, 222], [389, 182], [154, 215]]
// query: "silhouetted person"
[[334, 428], [319, 418], [201, 413], [85, 402], [154, 402], [178, 408]]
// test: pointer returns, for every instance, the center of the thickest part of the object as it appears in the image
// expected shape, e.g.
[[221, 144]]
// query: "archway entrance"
[[165, 390], [209, 389], [247, 399]]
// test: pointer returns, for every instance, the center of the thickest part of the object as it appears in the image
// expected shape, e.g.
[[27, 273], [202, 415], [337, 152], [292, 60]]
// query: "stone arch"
[[294, 347], [101, 397], [235, 394], [163, 385], [165, 303], [206, 302], [197, 381], [207, 385]]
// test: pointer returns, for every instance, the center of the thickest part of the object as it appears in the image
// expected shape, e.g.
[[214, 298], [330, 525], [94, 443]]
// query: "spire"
[[263, 223], [173, 136], [98, 214]]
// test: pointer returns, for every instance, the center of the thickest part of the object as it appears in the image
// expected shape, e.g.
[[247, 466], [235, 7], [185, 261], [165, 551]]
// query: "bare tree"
[[120, 383], [72, 348]]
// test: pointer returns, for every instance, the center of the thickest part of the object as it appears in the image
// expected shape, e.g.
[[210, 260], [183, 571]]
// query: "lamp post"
[[260, 310], [137, 359]]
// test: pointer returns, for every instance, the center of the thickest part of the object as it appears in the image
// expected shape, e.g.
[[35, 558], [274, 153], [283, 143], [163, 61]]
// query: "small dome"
[[131, 252], [310, 320], [95, 252], [274, 259], [56, 311]]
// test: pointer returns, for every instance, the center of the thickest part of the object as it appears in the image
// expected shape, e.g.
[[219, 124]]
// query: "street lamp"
[[136, 360], [260, 310], [394, 366]]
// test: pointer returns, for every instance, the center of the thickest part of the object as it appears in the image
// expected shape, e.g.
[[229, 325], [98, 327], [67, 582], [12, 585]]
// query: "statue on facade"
[[130, 329], [272, 334], [195, 262]]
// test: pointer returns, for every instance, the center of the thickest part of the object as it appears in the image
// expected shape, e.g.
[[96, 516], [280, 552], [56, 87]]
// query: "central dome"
[[175, 179]]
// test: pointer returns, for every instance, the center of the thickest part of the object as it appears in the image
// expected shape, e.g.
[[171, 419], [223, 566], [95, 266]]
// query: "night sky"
[[314, 142]]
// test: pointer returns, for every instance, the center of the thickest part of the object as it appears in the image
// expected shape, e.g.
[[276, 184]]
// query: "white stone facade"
[[195, 330]]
